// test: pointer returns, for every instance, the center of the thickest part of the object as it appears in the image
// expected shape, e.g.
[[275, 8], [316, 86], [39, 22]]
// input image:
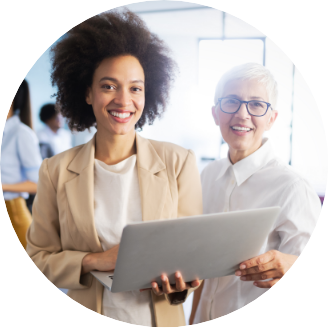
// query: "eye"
[[136, 89], [231, 101], [108, 87]]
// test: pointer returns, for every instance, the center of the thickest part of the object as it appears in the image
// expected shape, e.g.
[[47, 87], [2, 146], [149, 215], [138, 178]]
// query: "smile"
[[241, 128], [120, 115]]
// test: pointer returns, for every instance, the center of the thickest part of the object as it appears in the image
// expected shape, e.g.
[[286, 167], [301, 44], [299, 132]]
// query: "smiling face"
[[243, 132], [117, 95]]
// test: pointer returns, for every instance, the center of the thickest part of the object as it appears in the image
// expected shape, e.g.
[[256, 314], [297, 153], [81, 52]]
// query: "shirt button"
[[232, 182]]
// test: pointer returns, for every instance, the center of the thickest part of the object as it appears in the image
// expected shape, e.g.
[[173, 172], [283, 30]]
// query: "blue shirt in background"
[[20, 155]]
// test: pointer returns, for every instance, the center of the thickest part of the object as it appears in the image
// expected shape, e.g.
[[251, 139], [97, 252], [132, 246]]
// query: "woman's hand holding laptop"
[[166, 288], [272, 264]]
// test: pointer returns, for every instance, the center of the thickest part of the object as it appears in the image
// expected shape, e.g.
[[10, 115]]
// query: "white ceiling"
[[154, 6]]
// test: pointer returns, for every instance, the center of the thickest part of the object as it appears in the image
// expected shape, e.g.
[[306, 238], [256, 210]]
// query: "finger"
[[256, 269], [255, 261], [155, 288], [195, 283], [166, 288], [180, 283], [260, 276], [266, 284], [142, 290]]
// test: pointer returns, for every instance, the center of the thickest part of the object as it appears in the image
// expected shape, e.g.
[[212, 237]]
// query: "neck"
[[236, 155], [113, 149], [54, 129]]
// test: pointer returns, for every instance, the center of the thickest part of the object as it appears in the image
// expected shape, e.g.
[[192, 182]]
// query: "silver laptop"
[[203, 247]]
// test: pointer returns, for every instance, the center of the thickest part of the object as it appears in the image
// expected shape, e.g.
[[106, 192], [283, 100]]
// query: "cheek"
[[224, 121], [140, 104], [260, 124]]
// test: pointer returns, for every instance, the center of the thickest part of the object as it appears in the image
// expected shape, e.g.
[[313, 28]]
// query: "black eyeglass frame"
[[243, 102]]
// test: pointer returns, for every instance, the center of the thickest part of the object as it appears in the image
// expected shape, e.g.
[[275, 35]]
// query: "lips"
[[240, 129], [120, 116]]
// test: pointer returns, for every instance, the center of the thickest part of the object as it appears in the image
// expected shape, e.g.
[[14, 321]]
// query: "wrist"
[[88, 263]]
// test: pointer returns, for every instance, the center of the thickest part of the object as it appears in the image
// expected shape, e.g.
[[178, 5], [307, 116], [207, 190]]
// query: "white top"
[[59, 141], [20, 156], [259, 180], [117, 203]]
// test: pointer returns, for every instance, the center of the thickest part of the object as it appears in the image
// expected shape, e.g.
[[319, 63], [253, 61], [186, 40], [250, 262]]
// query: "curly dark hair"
[[110, 34]]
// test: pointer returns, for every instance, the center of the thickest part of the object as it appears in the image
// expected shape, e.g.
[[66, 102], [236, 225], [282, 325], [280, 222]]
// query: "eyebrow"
[[107, 78], [236, 96]]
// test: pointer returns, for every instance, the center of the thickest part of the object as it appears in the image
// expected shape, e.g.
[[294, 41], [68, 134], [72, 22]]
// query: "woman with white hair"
[[253, 177]]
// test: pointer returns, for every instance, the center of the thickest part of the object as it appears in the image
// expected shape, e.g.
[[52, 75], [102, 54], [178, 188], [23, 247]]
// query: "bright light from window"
[[217, 56]]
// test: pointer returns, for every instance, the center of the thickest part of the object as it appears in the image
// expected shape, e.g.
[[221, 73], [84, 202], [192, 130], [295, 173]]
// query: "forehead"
[[121, 66], [245, 89]]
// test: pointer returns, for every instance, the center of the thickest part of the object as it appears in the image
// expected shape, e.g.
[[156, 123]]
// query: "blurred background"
[[206, 42]]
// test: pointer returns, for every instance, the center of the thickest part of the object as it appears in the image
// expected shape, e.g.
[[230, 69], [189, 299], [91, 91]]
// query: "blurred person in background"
[[53, 133], [114, 74], [20, 161], [250, 177]]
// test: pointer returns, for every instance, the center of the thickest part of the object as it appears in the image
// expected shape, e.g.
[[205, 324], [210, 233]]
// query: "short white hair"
[[250, 71]]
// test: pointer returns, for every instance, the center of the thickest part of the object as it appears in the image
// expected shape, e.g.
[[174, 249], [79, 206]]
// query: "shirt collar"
[[11, 123], [225, 164], [245, 168]]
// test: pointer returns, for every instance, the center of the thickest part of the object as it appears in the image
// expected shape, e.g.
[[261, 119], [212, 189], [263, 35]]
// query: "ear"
[[88, 96], [274, 115], [215, 115]]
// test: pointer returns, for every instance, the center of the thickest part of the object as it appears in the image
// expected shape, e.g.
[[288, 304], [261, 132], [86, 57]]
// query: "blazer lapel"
[[80, 194], [153, 188]]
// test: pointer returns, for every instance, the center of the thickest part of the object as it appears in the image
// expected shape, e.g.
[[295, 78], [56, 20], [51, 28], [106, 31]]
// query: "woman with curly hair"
[[111, 73]]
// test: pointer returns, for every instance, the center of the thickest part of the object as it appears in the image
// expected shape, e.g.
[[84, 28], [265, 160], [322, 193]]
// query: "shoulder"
[[26, 132], [284, 173], [286, 181], [64, 133], [213, 168], [60, 162], [65, 158], [169, 149], [42, 133], [174, 156]]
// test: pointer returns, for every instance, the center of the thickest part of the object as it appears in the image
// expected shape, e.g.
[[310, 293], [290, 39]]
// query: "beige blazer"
[[63, 229]]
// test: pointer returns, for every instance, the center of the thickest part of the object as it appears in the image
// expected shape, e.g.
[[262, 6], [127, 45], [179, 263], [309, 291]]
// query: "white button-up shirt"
[[20, 155], [259, 180], [59, 141]]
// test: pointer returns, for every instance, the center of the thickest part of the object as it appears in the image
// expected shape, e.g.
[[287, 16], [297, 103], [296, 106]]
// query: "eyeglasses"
[[254, 107]]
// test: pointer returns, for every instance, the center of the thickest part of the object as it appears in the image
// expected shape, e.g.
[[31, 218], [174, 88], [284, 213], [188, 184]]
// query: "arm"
[[26, 186], [30, 160], [300, 210], [196, 300], [61, 267], [104, 261]]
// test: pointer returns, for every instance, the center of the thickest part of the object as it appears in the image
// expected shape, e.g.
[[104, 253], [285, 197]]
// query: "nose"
[[122, 98], [242, 113]]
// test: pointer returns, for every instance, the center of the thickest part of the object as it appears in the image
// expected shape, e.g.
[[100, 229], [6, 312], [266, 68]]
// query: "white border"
[[299, 28]]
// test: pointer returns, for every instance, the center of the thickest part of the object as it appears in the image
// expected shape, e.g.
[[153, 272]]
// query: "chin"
[[122, 132]]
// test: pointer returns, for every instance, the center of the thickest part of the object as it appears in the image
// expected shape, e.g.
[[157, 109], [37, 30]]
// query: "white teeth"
[[240, 128], [120, 115]]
